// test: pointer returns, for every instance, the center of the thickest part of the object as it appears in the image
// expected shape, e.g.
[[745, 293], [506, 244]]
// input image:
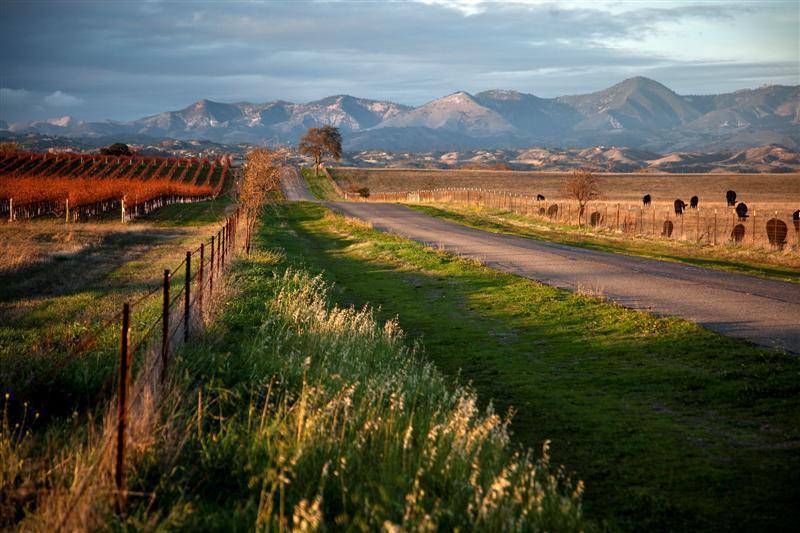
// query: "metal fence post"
[[186, 301], [211, 268], [122, 406]]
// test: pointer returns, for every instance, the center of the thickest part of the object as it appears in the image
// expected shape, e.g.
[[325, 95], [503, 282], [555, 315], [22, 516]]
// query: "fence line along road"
[[181, 312], [712, 224]]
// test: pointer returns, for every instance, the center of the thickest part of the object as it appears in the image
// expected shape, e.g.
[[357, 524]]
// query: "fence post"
[[165, 326], [122, 203], [122, 407], [715, 226], [186, 301], [211, 269], [200, 280], [67, 210], [219, 248], [753, 237], [11, 210]]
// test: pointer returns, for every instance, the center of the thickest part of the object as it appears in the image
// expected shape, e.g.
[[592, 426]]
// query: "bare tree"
[[582, 186], [260, 181], [321, 142], [8, 148]]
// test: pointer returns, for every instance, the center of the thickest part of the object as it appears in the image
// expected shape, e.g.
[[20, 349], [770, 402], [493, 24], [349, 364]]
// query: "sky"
[[123, 59]]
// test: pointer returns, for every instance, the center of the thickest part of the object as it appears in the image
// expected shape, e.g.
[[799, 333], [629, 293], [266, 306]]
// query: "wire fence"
[[713, 224], [141, 369]]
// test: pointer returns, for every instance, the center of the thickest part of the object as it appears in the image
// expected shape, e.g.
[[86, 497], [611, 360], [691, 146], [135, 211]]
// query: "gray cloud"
[[126, 59]]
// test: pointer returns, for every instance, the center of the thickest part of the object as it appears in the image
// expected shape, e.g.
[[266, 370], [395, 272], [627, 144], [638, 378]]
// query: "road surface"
[[765, 312]]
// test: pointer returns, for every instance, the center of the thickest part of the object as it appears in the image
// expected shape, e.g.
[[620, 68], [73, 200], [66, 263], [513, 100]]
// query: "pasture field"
[[764, 191], [670, 426], [701, 236]]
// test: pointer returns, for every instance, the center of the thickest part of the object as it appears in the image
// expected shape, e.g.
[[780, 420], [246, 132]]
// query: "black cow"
[[731, 196], [646, 200], [741, 211], [540, 197], [796, 220], [680, 207], [693, 202]]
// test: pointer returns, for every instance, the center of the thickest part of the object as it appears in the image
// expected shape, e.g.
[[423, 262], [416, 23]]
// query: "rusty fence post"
[[122, 406], [165, 326], [186, 300]]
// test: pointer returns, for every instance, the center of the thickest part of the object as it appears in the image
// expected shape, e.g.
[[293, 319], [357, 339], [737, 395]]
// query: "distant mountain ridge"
[[638, 112]]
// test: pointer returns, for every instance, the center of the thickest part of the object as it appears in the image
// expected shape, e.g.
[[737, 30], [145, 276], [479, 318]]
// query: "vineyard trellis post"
[[122, 412], [186, 299], [165, 326]]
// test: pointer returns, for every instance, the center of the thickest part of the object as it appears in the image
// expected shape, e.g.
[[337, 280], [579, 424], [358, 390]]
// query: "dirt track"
[[765, 312]]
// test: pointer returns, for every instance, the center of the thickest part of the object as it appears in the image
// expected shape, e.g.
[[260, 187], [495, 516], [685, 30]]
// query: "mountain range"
[[637, 113]]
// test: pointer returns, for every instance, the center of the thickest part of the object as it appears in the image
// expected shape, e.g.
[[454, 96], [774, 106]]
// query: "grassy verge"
[[783, 266], [320, 186], [57, 355], [670, 425], [302, 415]]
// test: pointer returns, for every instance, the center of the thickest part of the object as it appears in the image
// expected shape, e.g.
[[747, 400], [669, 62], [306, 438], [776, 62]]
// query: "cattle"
[[693, 202], [776, 232], [731, 197], [680, 206], [668, 227], [646, 200], [595, 219], [737, 234], [796, 220], [540, 198], [552, 211], [741, 211]]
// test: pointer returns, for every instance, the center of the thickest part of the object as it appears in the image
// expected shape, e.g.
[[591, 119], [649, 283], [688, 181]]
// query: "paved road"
[[765, 312]]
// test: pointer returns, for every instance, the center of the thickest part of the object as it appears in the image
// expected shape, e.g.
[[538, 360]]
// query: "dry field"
[[753, 189]]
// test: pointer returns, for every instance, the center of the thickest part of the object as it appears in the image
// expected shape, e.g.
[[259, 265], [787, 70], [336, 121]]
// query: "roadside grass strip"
[[671, 426], [303, 415]]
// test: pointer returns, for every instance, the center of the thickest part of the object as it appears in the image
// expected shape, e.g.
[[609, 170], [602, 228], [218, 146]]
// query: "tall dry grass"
[[335, 422]]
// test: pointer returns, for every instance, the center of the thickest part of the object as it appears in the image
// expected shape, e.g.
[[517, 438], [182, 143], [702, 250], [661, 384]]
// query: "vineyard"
[[80, 187]]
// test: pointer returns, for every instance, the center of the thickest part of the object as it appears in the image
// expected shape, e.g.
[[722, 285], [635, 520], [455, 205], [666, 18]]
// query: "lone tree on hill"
[[116, 149], [321, 142], [583, 187]]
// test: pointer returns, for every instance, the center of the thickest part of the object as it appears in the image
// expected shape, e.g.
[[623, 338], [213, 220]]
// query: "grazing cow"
[[737, 234], [596, 218], [668, 227], [741, 211], [796, 220], [680, 206], [646, 200], [540, 198], [693, 202], [776, 232], [552, 211], [731, 196]]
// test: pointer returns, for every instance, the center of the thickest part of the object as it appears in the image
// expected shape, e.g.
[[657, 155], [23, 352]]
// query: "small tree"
[[583, 187], [259, 182], [116, 149], [321, 142], [8, 148]]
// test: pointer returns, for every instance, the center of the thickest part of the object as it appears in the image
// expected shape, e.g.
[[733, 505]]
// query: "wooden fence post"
[[67, 211], [165, 326], [200, 280], [122, 406], [211, 268], [11, 210], [186, 300]]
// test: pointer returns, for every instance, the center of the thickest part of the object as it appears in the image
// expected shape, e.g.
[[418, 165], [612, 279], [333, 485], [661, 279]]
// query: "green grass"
[[320, 186], [298, 412], [499, 221], [671, 426]]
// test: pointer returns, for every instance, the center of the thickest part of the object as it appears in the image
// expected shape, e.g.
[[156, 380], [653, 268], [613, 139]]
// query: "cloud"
[[62, 99], [13, 96], [130, 59]]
